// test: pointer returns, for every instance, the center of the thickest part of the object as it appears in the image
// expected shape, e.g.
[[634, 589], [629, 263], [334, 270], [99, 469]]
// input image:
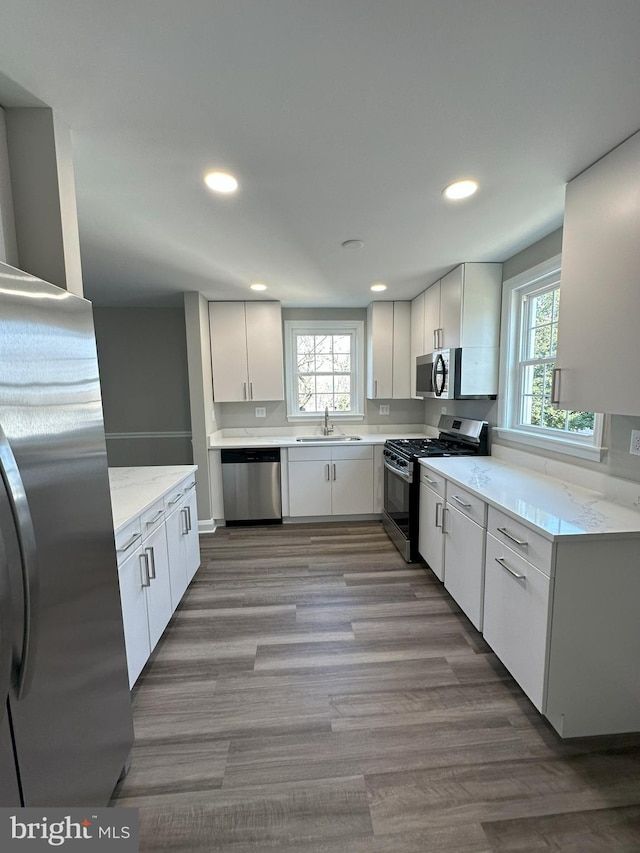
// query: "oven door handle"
[[407, 477]]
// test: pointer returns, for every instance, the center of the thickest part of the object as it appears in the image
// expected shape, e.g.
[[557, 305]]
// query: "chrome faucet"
[[326, 429]]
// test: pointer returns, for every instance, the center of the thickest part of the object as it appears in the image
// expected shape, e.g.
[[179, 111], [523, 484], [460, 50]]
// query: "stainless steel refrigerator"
[[66, 728]]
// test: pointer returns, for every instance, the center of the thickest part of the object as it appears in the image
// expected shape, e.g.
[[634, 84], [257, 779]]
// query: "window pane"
[[324, 363], [323, 343], [542, 343], [342, 343], [306, 390], [324, 384], [581, 422]]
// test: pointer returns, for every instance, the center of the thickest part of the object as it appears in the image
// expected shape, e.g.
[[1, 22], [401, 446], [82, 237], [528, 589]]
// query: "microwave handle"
[[439, 388]]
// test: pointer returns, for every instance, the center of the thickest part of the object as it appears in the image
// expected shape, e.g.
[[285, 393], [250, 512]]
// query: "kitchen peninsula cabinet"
[[327, 481], [246, 351], [157, 549], [598, 341], [388, 350]]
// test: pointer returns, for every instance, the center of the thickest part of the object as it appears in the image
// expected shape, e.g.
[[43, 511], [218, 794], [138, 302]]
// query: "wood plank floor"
[[314, 694]]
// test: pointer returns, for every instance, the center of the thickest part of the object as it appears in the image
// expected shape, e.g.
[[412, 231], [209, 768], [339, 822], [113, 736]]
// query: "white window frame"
[[314, 327], [585, 447]]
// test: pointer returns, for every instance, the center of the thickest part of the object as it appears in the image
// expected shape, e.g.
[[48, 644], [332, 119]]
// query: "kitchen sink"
[[329, 438]]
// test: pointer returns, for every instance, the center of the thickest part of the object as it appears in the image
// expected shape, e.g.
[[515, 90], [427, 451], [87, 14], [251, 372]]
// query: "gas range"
[[457, 437]]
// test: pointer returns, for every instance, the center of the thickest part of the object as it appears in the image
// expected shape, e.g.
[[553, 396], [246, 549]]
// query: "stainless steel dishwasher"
[[251, 486]]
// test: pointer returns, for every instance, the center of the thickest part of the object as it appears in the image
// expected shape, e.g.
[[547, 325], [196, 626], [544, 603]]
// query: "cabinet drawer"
[[152, 518], [517, 617], [522, 540], [468, 504], [432, 480], [178, 494], [127, 539], [321, 453]]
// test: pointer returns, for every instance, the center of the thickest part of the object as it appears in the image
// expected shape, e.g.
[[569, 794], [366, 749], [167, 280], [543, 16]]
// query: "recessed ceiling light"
[[460, 189], [221, 182], [352, 244], [378, 287], [258, 285]]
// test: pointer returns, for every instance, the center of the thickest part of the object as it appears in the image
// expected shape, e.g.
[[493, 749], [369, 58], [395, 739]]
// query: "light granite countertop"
[[133, 490], [553, 507], [228, 439]]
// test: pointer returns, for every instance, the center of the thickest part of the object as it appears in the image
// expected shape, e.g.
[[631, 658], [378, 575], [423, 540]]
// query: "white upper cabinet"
[[389, 350], [461, 310], [598, 341], [246, 351], [417, 336]]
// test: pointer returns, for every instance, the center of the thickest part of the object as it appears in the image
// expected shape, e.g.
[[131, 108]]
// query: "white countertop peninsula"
[[550, 506], [133, 490]]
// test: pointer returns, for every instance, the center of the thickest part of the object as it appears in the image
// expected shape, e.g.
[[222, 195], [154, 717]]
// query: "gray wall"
[[142, 354]]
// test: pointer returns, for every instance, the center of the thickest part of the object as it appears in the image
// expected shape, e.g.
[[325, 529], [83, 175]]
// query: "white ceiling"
[[341, 119]]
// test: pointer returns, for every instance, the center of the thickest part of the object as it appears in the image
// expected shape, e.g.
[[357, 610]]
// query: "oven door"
[[400, 515]]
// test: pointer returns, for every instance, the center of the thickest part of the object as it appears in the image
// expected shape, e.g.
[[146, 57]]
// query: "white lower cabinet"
[[516, 617], [430, 538], [158, 554], [464, 563], [330, 481]]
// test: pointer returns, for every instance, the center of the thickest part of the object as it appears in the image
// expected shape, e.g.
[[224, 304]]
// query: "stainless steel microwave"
[[458, 374]]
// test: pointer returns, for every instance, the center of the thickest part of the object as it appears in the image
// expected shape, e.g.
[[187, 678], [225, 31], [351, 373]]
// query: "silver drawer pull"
[[156, 517], [191, 486], [431, 482], [510, 570], [131, 542], [506, 533], [460, 501], [176, 499]]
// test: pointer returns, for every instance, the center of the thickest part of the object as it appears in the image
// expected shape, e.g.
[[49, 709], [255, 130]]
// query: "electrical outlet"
[[384, 409], [443, 410], [635, 442], [261, 412]]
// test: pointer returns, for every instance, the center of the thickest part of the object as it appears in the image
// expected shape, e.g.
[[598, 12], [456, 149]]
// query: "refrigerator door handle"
[[5, 631], [29, 559]]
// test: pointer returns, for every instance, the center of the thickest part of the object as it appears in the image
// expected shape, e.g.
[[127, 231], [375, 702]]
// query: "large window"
[[324, 368], [531, 308]]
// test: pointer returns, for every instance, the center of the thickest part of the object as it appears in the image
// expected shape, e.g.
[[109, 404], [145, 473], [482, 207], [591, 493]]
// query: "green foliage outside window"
[[537, 362]]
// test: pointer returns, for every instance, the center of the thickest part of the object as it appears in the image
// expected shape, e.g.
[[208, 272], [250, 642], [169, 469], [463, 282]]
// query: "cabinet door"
[[265, 358], [309, 488], [159, 608], [417, 336], [516, 617], [464, 563], [450, 308], [352, 486], [430, 538], [229, 364], [175, 527], [598, 339], [401, 382], [133, 598], [380, 350], [191, 537], [431, 317]]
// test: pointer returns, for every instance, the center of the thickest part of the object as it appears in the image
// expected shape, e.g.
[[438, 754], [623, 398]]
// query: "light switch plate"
[[261, 412]]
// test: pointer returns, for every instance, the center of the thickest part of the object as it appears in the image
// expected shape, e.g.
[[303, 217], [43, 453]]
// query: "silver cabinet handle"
[[375, 387], [152, 554], [334, 470], [189, 517], [183, 513], [326, 470], [435, 339], [29, 573], [430, 482], [460, 501], [251, 390], [506, 533], [156, 517], [444, 514], [555, 386], [244, 390], [191, 486], [438, 522], [144, 565], [176, 499], [129, 543], [511, 571]]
